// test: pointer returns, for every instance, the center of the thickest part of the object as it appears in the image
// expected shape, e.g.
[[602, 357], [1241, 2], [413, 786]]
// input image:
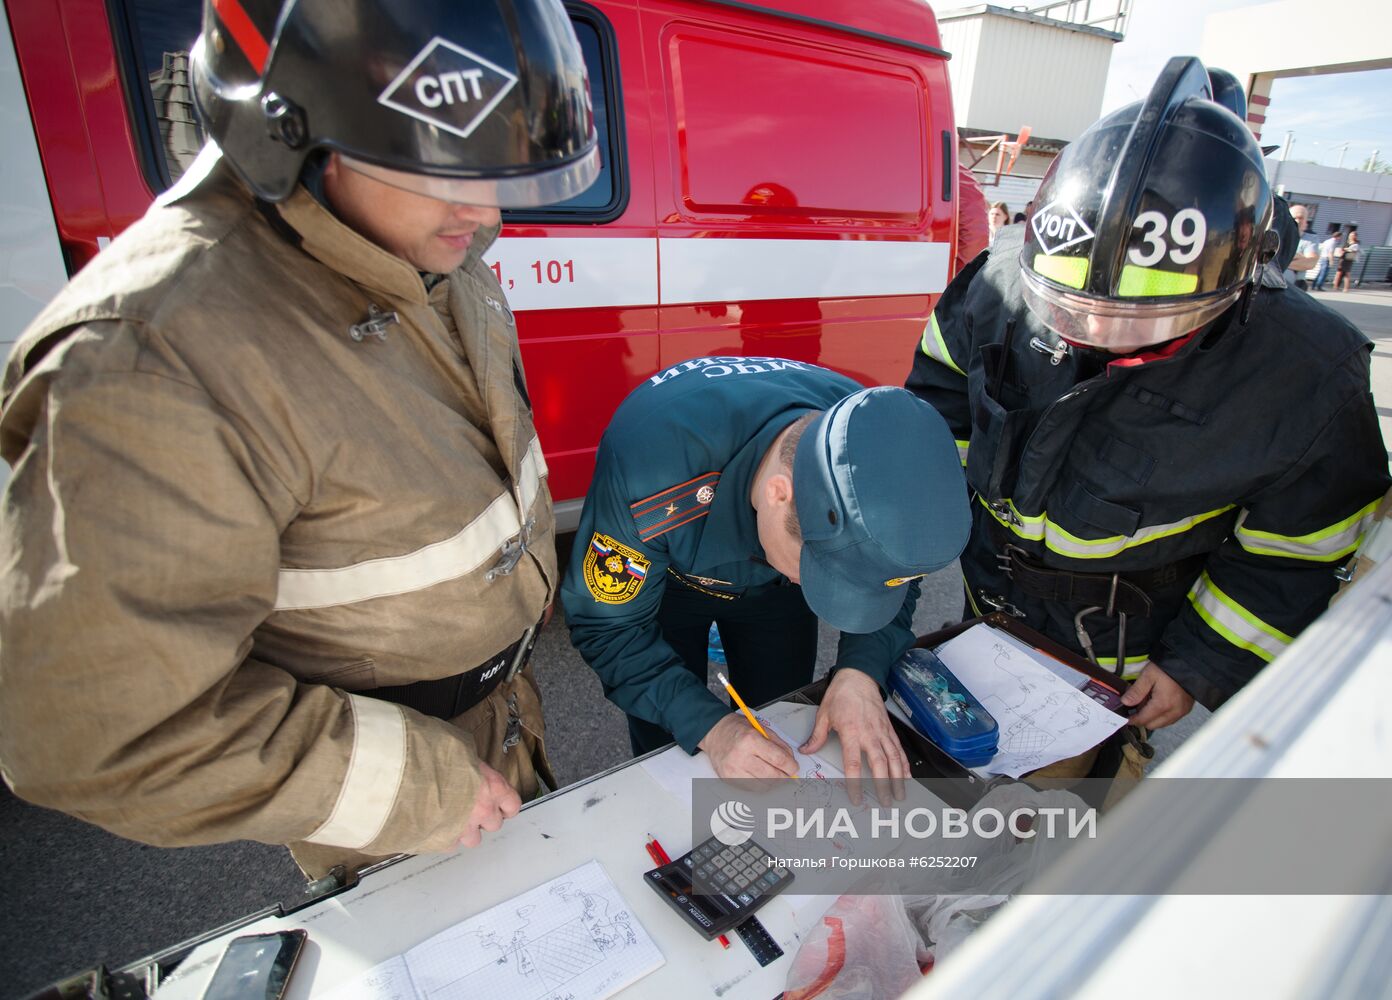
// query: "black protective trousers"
[[770, 641]]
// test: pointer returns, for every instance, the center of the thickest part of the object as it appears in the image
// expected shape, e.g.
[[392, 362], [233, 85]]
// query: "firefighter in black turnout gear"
[[1170, 452]]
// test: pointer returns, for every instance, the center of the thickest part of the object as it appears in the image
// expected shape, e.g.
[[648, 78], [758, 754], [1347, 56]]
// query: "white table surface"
[[606, 819]]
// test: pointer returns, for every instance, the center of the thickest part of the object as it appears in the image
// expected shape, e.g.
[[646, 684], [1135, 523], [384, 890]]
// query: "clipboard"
[[958, 785]]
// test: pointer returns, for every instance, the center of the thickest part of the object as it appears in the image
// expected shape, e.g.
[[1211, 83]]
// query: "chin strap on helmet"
[[1271, 243]]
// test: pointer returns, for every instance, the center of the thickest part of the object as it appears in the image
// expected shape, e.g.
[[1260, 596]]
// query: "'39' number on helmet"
[[1187, 231]]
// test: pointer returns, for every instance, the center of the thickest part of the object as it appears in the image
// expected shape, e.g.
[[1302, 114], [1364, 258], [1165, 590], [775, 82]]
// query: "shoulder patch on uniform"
[[613, 572], [675, 506]]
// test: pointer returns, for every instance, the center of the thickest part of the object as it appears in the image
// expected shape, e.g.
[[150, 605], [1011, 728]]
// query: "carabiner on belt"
[[1085, 640]]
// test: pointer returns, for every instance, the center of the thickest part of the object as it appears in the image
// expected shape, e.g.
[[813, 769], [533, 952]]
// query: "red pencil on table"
[[656, 850], [659, 856], [654, 853]]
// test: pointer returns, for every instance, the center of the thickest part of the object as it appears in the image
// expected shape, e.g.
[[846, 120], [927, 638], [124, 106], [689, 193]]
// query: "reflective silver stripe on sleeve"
[[373, 779], [477, 543], [1235, 623], [1325, 545], [533, 470]]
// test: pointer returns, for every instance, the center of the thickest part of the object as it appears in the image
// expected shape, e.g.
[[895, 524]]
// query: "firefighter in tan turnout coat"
[[278, 533]]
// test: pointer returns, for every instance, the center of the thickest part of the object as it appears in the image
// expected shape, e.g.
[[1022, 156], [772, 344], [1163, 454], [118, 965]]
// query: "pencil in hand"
[[743, 707], [753, 721]]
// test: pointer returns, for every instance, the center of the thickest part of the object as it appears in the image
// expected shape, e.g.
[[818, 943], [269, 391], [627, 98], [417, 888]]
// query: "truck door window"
[[153, 38], [607, 198]]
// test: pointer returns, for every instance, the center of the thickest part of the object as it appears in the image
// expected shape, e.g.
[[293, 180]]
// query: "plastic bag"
[[1003, 866], [946, 921], [876, 947], [864, 948]]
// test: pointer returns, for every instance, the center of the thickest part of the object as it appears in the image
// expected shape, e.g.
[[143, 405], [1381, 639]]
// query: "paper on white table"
[[1042, 718], [387, 981], [815, 774], [811, 767], [675, 769], [572, 937]]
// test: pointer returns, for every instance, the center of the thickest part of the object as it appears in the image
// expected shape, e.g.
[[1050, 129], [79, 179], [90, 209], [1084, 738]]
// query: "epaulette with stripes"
[[675, 506]]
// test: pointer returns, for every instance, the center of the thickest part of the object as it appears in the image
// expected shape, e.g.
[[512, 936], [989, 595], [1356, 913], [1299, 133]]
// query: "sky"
[[1323, 112]]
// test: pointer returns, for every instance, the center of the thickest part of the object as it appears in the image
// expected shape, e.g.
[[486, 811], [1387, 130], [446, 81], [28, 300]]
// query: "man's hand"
[[1163, 702], [494, 802], [853, 707], [737, 750]]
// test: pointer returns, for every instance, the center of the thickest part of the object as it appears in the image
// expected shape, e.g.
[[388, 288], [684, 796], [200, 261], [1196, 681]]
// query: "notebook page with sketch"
[[572, 938], [1042, 717]]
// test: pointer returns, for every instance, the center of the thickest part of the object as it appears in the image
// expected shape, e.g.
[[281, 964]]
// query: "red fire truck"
[[778, 180]]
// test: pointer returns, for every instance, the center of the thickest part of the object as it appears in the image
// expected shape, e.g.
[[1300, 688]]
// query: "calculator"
[[716, 886]]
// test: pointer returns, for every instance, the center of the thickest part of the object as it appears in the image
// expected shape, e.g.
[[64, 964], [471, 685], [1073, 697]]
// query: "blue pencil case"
[[942, 709]]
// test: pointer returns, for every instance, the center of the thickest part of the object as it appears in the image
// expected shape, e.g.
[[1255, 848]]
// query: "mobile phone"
[[256, 967]]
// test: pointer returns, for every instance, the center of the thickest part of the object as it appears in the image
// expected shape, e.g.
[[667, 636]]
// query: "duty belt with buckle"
[[1094, 593], [448, 697], [1109, 591], [1109, 594]]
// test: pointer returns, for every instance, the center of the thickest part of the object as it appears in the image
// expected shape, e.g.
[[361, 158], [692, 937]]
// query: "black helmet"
[[477, 101], [1154, 220]]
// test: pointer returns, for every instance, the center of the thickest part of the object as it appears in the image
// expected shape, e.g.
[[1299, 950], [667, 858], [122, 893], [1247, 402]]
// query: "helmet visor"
[[1118, 327], [522, 191]]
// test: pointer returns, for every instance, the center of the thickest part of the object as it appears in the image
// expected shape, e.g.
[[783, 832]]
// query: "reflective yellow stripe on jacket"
[[1130, 671], [935, 347], [1038, 528], [1235, 623], [1325, 545]]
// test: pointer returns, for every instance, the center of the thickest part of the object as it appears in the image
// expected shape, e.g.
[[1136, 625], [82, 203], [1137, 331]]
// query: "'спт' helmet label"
[[448, 86]]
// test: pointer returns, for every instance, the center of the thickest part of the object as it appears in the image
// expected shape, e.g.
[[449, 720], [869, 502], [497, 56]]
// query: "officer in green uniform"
[[747, 491]]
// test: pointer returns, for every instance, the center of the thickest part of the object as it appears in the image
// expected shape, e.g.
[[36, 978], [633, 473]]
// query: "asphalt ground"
[[75, 895]]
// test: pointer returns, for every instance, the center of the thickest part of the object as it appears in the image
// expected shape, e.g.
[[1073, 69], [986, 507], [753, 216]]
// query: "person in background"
[[973, 227], [278, 534], [1347, 258], [762, 494], [999, 218], [1331, 243], [1307, 251], [1172, 452]]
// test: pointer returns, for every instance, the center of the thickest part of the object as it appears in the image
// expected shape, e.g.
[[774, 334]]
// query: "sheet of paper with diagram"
[[676, 769], [572, 938], [816, 775], [1042, 718]]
